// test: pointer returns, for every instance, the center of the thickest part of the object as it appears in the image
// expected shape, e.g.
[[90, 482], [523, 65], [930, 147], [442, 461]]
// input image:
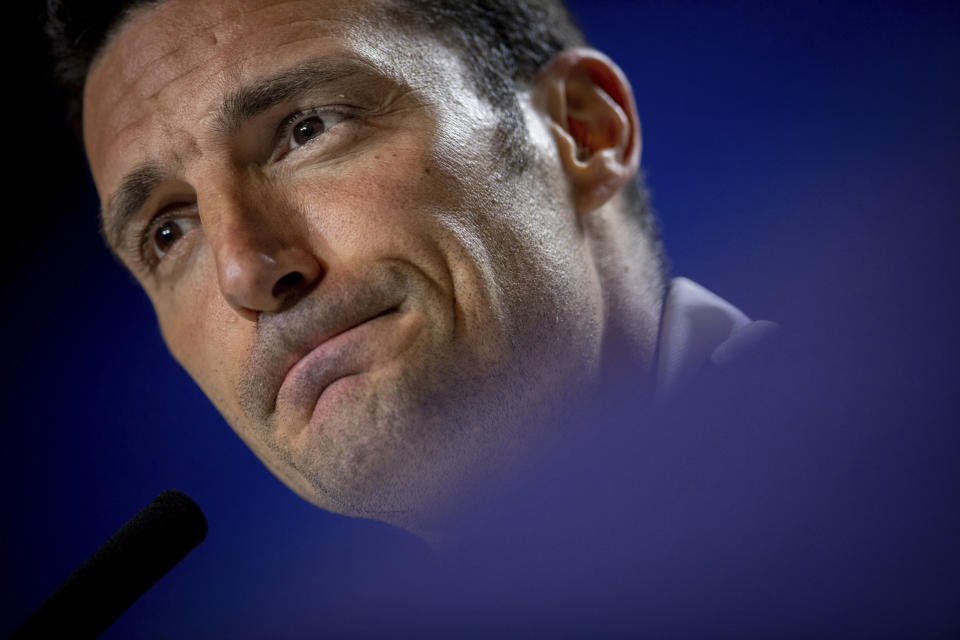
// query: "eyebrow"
[[248, 102], [243, 104], [134, 191]]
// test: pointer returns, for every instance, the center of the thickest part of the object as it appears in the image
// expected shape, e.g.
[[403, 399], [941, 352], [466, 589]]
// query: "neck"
[[633, 290]]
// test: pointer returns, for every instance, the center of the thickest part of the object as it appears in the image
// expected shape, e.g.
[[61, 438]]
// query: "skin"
[[383, 312]]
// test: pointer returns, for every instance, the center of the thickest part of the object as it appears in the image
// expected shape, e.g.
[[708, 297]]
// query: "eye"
[[304, 127], [166, 233]]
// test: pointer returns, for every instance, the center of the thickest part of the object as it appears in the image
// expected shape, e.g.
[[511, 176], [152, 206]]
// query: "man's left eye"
[[308, 126]]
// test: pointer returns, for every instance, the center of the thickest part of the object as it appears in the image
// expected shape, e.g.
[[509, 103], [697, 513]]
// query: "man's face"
[[335, 249]]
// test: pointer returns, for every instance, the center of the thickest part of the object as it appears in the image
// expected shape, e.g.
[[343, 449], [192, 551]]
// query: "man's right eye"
[[164, 234]]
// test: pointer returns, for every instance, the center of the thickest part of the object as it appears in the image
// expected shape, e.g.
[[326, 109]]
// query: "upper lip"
[[285, 338]]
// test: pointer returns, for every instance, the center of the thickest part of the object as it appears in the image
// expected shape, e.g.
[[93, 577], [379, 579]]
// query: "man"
[[392, 241]]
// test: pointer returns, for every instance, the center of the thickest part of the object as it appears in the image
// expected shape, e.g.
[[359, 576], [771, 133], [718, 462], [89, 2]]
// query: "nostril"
[[287, 283]]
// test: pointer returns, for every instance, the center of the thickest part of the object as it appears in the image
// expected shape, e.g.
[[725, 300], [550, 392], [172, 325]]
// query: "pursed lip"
[[322, 356], [284, 339]]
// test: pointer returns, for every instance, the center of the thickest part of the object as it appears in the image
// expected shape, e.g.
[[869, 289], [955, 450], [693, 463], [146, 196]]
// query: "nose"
[[253, 280], [260, 268]]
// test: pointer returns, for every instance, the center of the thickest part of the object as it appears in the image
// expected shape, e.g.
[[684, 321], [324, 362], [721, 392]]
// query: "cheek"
[[383, 207], [204, 334]]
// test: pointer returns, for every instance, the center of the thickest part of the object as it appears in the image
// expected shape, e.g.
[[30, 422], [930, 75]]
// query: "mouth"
[[344, 325], [339, 355]]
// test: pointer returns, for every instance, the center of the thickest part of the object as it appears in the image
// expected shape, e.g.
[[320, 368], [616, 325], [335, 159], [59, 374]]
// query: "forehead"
[[185, 35], [175, 60]]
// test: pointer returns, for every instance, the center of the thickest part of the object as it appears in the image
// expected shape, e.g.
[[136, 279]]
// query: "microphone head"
[[173, 522], [141, 552]]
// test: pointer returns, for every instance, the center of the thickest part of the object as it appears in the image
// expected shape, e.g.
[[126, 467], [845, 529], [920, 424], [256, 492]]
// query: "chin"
[[405, 444], [366, 449], [398, 448]]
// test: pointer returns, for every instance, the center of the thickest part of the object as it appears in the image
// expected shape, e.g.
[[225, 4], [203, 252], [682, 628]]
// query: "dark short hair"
[[504, 44]]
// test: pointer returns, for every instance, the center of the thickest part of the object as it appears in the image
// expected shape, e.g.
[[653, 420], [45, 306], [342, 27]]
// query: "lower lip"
[[331, 369], [333, 393]]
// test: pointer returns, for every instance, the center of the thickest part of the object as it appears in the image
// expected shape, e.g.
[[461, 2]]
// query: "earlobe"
[[594, 124]]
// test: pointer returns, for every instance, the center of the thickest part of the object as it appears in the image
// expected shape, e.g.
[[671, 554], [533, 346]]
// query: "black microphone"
[[125, 566]]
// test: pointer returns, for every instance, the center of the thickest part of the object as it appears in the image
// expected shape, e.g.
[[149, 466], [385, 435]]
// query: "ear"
[[593, 119]]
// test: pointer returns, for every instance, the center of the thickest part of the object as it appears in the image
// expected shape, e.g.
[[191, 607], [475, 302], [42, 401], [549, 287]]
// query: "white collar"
[[698, 327]]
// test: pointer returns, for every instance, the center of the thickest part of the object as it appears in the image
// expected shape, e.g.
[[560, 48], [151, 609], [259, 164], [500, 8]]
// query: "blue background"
[[803, 158]]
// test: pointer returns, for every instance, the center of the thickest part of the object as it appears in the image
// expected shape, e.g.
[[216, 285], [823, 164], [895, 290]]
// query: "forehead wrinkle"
[[132, 119], [144, 40], [140, 27], [149, 86], [227, 21], [214, 53], [169, 82], [152, 86], [134, 89], [183, 31]]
